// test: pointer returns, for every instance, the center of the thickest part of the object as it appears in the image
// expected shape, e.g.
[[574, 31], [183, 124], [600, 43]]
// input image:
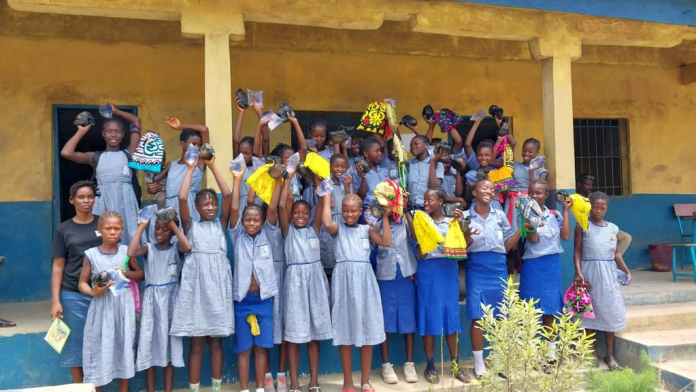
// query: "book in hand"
[[57, 335]]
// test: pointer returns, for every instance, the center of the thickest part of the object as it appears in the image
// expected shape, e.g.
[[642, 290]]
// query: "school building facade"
[[608, 89]]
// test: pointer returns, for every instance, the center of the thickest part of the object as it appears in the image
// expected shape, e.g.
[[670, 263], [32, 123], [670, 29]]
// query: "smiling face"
[[484, 192], [432, 203], [207, 207], [339, 167], [113, 133], [300, 214], [252, 220], [355, 146], [351, 210], [598, 209], [318, 133], [83, 200], [484, 155], [529, 152], [538, 192], [373, 154], [163, 233], [111, 230], [418, 147]]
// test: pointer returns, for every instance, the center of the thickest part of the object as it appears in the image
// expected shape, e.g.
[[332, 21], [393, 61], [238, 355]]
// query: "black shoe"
[[431, 376], [463, 376]]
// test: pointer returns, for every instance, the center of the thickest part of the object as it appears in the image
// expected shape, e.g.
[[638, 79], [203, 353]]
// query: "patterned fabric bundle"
[[318, 165], [531, 213], [262, 183], [578, 301], [389, 193], [426, 233], [447, 119], [374, 120], [581, 209], [455, 243], [502, 178], [149, 154]]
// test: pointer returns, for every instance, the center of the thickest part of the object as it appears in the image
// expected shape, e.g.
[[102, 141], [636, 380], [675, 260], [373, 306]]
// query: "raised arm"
[[184, 191], [468, 143], [457, 142], [134, 248], [272, 210], [224, 191], [135, 130], [68, 152], [431, 128], [237, 135], [234, 206], [301, 142], [256, 148], [385, 237], [176, 124], [329, 224], [316, 223], [283, 209], [433, 180]]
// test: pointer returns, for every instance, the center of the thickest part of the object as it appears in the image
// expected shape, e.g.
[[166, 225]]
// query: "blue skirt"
[[75, 307], [398, 303], [486, 274], [540, 279], [437, 284]]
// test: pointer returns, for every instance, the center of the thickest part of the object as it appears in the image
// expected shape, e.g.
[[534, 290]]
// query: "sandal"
[[316, 389], [7, 323], [613, 365], [462, 376]]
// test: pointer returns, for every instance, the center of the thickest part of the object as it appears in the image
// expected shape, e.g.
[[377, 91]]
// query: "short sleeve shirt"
[[70, 241]]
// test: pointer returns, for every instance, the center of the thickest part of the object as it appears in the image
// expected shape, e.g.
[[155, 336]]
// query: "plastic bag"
[[538, 162], [478, 115], [318, 165], [105, 110], [237, 164], [257, 163], [427, 235], [257, 97], [191, 154], [120, 281], [325, 187], [146, 213], [581, 210], [293, 161], [454, 246], [273, 119]]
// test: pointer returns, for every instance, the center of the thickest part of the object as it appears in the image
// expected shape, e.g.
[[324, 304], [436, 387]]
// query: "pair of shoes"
[[388, 374], [410, 374], [431, 376], [368, 388], [462, 376], [613, 365]]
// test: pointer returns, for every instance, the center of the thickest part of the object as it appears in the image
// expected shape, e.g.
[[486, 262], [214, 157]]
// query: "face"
[[598, 210], [432, 203], [83, 200], [246, 150], [195, 140], [339, 167], [418, 147], [351, 212], [285, 155], [252, 221], [529, 152], [585, 187], [447, 163], [539, 193], [484, 156], [300, 215], [207, 208], [111, 230], [373, 154], [112, 133], [163, 233], [484, 192], [355, 146], [319, 136]]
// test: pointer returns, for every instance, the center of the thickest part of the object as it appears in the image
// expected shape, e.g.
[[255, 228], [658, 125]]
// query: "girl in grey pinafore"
[[155, 346], [204, 304], [599, 269], [108, 350], [326, 241], [355, 299], [278, 250], [306, 290], [116, 191]]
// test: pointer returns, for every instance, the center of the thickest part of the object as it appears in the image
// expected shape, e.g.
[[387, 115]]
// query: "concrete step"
[[678, 376], [661, 346], [680, 315], [653, 288]]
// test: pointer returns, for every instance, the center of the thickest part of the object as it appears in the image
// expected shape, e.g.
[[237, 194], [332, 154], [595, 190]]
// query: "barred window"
[[601, 151]]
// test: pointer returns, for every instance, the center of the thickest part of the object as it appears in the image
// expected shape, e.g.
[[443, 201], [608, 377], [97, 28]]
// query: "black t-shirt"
[[70, 242]]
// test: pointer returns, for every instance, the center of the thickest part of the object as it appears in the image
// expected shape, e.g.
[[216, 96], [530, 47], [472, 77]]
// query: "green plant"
[[645, 379], [518, 349]]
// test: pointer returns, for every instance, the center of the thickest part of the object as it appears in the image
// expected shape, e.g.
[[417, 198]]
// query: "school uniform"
[[486, 267], [418, 175], [108, 350], [204, 304], [277, 242], [155, 346], [306, 309], [116, 191], [540, 277], [471, 180], [253, 257], [355, 299], [396, 264], [326, 153], [437, 284], [372, 178], [599, 269], [522, 182], [449, 183], [326, 241]]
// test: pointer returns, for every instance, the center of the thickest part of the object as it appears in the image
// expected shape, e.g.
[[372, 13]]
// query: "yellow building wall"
[[167, 80]]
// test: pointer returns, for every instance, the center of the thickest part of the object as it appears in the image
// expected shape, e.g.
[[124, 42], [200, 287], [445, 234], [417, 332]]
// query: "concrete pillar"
[[557, 102], [218, 102]]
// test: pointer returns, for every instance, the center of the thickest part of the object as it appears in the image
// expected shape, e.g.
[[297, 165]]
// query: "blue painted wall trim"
[[681, 12]]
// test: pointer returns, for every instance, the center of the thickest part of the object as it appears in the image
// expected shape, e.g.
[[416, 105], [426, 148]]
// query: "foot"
[[462, 376], [479, 376], [268, 385], [431, 376], [613, 365], [7, 323], [281, 386], [410, 374], [368, 387], [315, 388], [388, 374]]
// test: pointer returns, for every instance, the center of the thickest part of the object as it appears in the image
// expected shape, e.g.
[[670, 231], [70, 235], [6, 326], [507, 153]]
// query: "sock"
[[430, 364], [217, 385], [552, 350], [479, 365], [259, 390], [195, 387], [246, 390], [409, 363], [281, 379]]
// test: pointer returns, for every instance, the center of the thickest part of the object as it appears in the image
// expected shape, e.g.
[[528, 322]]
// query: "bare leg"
[[168, 378], [476, 336], [365, 362], [215, 346], [294, 362], [260, 361], [122, 385], [77, 374], [347, 361], [99, 389], [408, 338], [282, 361], [243, 359], [610, 338], [429, 346], [196, 358], [313, 354], [384, 348], [150, 379]]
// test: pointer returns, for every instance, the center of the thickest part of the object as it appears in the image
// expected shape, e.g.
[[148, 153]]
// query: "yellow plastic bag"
[[262, 183], [389, 193], [318, 165], [455, 243], [255, 330], [581, 209], [426, 232]]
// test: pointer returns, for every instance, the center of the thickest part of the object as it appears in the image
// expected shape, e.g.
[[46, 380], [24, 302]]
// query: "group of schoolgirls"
[[289, 233]]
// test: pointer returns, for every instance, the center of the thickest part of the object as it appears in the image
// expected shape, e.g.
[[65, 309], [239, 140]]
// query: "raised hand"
[[173, 122]]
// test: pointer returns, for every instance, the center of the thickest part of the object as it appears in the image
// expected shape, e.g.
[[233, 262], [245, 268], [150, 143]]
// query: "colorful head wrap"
[[447, 119], [149, 154]]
